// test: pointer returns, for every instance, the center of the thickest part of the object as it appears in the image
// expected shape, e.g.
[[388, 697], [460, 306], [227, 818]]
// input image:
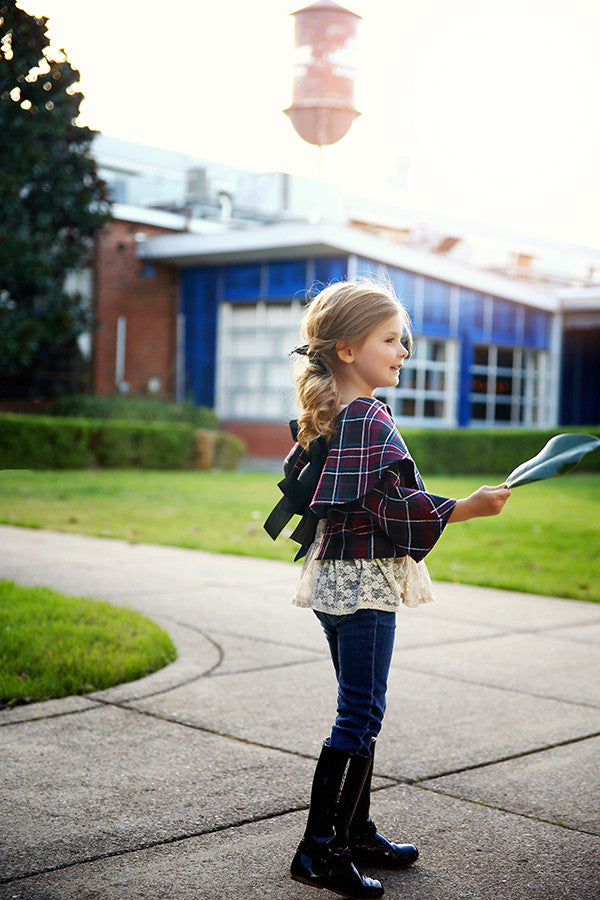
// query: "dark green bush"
[[142, 445], [467, 451], [56, 442], [44, 442], [37, 442], [145, 409]]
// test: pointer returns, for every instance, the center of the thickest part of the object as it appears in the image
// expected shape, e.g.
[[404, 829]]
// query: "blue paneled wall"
[[537, 328], [328, 269], [472, 314], [437, 309], [405, 286], [198, 304], [285, 279], [202, 289], [240, 283]]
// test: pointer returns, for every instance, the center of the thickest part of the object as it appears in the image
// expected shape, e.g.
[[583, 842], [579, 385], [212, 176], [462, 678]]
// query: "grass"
[[546, 541], [56, 646]]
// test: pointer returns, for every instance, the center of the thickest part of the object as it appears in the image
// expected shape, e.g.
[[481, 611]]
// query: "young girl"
[[367, 524]]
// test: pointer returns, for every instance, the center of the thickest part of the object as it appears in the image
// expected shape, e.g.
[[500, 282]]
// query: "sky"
[[495, 104]]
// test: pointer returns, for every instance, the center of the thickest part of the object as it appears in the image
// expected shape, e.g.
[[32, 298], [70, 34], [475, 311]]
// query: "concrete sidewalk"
[[193, 783]]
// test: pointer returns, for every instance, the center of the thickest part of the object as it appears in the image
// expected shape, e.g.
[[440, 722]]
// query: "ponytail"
[[318, 399]]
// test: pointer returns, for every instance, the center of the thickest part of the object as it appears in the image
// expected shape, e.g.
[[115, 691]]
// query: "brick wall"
[[268, 439], [149, 305]]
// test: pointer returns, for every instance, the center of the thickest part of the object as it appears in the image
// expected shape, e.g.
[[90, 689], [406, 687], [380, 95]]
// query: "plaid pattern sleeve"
[[412, 519], [365, 445], [372, 494]]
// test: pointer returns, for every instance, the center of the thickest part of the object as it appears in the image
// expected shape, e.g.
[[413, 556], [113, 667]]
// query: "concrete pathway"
[[194, 782]]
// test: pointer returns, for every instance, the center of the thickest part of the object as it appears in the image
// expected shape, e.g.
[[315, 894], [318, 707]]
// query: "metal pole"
[[180, 359], [120, 351]]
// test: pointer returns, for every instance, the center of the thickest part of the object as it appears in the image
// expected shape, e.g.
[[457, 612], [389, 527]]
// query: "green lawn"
[[54, 646], [547, 540]]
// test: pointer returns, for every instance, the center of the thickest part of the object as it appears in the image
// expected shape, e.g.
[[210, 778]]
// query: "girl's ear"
[[344, 351]]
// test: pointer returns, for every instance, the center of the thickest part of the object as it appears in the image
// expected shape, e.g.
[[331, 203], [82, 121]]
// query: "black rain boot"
[[323, 859], [368, 847]]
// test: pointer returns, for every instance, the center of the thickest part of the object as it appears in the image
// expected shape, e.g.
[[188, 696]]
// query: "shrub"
[[204, 448], [53, 442], [143, 445], [217, 449], [471, 452], [146, 409], [45, 442], [38, 442], [229, 450]]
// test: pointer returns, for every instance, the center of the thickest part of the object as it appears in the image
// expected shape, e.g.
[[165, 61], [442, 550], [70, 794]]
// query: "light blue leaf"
[[560, 454]]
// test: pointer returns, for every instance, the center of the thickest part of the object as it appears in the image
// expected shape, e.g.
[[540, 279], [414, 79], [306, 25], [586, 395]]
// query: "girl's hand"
[[486, 501]]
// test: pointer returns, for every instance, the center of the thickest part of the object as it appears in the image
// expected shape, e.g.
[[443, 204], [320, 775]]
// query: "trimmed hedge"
[[40, 442], [142, 409], [45, 442], [142, 445], [467, 451], [52, 442]]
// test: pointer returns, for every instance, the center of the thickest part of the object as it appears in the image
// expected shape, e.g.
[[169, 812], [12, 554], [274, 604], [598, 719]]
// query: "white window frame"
[[258, 332], [421, 365], [530, 400]]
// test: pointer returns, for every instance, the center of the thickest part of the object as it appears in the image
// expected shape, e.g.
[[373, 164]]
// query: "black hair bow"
[[304, 350]]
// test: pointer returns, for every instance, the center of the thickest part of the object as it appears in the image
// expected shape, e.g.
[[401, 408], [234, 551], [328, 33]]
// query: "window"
[[254, 370], [426, 392], [508, 386]]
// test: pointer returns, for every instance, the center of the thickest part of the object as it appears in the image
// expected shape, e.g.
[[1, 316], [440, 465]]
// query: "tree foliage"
[[51, 200]]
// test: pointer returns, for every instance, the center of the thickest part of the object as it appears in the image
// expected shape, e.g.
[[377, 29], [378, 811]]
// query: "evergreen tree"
[[52, 203]]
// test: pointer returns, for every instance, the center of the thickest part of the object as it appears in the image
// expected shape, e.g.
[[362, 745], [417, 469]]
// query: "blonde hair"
[[343, 311]]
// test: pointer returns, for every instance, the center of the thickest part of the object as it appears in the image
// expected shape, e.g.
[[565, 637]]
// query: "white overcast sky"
[[495, 103]]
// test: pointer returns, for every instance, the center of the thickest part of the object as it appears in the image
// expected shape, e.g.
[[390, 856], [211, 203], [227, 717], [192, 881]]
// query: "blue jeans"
[[361, 646]]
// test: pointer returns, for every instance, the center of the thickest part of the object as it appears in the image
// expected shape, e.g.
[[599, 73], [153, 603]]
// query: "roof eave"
[[296, 240]]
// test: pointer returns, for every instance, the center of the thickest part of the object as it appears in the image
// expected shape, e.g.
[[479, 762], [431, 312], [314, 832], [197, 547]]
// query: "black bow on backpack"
[[298, 490]]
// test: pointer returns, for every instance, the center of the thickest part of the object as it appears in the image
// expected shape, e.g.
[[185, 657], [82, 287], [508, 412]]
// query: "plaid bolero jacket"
[[370, 490]]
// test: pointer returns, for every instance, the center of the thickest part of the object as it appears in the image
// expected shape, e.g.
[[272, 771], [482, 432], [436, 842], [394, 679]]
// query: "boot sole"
[[365, 863], [332, 890]]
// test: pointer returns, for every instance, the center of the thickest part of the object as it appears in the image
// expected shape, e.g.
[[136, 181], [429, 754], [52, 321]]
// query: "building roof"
[[296, 240], [177, 222], [153, 178], [581, 306]]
